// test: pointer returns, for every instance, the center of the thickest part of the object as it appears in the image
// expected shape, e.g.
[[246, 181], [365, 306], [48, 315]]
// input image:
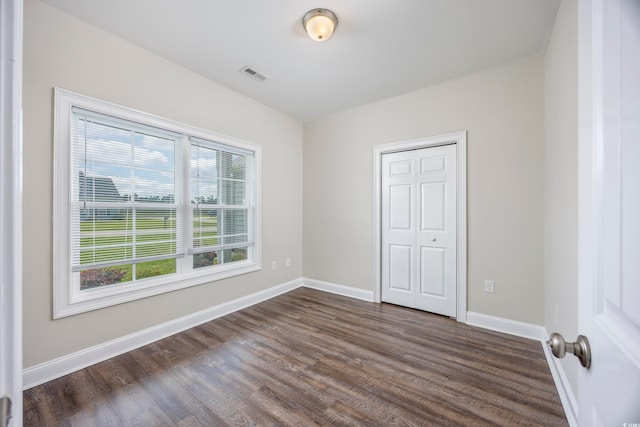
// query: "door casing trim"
[[460, 139]]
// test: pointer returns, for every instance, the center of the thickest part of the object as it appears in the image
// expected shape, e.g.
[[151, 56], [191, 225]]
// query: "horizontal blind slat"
[[204, 249]]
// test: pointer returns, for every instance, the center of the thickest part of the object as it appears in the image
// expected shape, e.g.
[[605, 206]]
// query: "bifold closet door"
[[419, 229]]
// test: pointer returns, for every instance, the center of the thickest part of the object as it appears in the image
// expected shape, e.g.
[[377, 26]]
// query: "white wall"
[[502, 110], [561, 180], [60, 50]]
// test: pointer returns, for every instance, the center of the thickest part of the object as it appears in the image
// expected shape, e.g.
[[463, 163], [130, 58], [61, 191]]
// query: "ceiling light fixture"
[[320, 24]]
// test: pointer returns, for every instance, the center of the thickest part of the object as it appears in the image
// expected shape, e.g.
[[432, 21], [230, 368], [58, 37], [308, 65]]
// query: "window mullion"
[[183, 174], [134, 225], [222, 200], [134, 233], [251, 203]]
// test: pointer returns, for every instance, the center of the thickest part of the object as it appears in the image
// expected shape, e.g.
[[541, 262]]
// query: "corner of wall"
[[561, 185]]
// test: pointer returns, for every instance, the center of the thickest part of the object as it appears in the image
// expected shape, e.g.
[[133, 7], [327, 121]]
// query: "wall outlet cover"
[[489, 286]]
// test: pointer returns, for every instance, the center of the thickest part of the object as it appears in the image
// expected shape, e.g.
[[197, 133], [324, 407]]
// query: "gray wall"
[[62, 51], [561, 180], [503, 111]]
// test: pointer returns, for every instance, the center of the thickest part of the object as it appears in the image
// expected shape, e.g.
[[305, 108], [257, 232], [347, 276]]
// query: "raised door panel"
[[432, 209], [400, 267], [432, 272], [400, 206], [432, 164], [401, 168]]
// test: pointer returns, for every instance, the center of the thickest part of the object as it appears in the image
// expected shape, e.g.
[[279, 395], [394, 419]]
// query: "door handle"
[[580, 348]]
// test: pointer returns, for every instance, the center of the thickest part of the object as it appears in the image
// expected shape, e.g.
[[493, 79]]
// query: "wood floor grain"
[[312, 358]]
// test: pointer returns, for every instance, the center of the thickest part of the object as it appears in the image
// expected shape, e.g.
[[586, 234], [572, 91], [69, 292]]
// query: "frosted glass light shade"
[[320, 24]]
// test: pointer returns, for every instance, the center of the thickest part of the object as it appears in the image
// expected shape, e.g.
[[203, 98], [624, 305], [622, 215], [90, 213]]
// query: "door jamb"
[[460, 139], [11, 30]]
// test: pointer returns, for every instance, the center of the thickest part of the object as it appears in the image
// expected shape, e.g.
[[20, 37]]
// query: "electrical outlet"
[[274, 265], [489, 286], [288, 262]]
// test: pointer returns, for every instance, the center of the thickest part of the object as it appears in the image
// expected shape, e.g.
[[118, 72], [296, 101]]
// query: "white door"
[[419, 229], [399, 228], [609, 226], [10, 208]]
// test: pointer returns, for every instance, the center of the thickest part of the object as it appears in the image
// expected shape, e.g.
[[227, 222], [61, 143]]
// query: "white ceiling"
[[381, 48]]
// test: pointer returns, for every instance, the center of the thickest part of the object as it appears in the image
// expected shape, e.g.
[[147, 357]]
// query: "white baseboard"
[[512, 327], [567, 397], [64, 365], [347, 291], [538, 333]]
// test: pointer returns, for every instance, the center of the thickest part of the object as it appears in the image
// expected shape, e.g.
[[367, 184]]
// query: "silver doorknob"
[[580, 348]]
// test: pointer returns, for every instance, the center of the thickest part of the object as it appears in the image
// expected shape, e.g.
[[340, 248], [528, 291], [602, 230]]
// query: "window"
[[219, 231], [145, 205]]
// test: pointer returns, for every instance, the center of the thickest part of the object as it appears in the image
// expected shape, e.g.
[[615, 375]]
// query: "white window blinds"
[[123, 205], [221, 215]]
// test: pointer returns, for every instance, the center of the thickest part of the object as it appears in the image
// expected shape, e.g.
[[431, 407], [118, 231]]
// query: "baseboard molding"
[[64, 365], [567, 397], [334, 288], [512, 327]]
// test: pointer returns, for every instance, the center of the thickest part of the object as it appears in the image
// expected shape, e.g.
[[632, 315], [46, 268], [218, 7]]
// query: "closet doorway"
[[421, 232]]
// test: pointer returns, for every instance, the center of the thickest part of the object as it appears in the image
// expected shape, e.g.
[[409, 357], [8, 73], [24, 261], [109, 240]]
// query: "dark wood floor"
[[312, 358]]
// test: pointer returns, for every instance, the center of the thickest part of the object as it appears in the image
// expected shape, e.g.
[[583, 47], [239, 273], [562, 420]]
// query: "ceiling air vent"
[[246, 70]]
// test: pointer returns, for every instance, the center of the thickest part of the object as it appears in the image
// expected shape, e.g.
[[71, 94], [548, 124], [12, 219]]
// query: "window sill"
[[94, 299]]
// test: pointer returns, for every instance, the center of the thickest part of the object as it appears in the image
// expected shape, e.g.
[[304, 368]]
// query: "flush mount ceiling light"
[[320, 24]]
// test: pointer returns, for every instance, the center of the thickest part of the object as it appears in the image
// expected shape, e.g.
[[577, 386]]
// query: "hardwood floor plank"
[[82, 399], [152, 416], [312, 358], [40, 408], [172, 396], [125, 395]]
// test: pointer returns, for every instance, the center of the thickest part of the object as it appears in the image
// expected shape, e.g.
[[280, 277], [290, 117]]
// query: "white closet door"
[[419, 229], [399, 228], [436, 234]]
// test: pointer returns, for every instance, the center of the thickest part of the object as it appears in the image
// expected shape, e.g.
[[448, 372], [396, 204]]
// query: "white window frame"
[[67, 297]]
